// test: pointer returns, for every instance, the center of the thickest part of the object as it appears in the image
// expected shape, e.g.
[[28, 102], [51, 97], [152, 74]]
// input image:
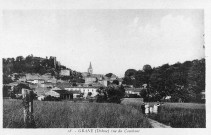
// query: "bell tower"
[[90, 70]]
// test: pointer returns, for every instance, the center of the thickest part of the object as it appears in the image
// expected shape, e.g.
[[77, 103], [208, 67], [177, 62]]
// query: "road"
[[156, 124]]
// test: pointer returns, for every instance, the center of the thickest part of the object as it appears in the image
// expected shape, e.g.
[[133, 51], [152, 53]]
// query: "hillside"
[[182, 81], [35, 65]]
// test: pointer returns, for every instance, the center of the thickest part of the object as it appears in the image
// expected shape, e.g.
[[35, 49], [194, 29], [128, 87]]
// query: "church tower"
[[90, 70]]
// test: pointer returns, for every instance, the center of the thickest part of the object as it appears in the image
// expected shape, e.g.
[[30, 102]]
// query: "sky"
[[113, 40]]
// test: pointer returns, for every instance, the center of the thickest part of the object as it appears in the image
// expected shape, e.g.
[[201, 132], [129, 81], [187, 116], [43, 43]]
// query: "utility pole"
[[28, 96]]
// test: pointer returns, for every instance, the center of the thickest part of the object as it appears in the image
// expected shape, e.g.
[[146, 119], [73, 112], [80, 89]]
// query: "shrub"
[[111, 94]]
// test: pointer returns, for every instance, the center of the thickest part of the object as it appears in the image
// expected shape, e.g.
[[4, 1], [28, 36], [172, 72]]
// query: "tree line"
[[31, 64], [182, 81]]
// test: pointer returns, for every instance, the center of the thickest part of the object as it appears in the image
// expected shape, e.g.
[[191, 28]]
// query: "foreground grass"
[[181, 117], [178, 115], [74, 115]]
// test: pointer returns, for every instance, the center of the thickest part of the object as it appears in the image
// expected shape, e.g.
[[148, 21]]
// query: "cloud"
[[133, 25], [172, 39]]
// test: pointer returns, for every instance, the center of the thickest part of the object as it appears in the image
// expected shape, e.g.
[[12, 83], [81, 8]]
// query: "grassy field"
[[74, 115], [181, 117], [178, 115]]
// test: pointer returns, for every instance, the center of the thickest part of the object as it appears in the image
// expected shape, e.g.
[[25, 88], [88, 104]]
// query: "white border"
[[117, 4]]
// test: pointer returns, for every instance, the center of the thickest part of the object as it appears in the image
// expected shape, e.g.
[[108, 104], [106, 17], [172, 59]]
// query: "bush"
[[51, 98], [6, 91], [111, 94]]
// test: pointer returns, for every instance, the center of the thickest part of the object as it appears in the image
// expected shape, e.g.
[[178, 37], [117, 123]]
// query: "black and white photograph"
[[101, 69]]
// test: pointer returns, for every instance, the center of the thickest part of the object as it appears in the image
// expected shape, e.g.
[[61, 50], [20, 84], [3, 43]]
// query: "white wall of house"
[[132, 92], [120, 83], [35, 81], [104, 82], [65, 72], [84, 90]]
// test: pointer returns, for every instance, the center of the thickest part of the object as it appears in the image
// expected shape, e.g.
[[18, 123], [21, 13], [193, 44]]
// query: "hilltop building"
[[90, 70], [98, 79], [88, 77], [65, 72]]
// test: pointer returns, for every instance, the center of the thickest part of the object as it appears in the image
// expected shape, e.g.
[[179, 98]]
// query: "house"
[[39, 81], [90, 79], [103, 82], [133, 91], [76, 94], [29, 81], [203, 98], [41, 97], [52, 80], [65, 72], [85, 90], [41, 90], [61, 94], [63, 85], [36, 81], [144, 86]]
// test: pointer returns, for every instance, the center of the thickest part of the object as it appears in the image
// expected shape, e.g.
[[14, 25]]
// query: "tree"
[[109, 75], [182, 81], [19, 58], [6, 79], [6, 90], [115, 82], [115, 93], [102, 95], [130, 72], [196, 79], [111, 94], [89, 94], [17, 89], [129, 78], [147, 68], [29, 59], [143, 94]]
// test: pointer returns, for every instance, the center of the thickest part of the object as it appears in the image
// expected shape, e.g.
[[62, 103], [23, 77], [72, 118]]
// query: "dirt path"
[[156, 124]]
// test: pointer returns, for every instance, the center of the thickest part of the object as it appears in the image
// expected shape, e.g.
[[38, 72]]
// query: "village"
[[47, 87], [112, 68]]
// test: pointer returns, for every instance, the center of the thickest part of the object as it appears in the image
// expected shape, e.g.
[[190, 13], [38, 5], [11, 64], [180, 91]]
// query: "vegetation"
[[30, 64], [6, 79], [109, 75], [178, 115], [6, 91], [74, 115], [112, 94], [182, 117], [182, 81], [39, 65]]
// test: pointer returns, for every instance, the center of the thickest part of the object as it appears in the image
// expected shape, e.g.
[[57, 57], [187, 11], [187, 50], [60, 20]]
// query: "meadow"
[[65, 114], [177, 115]]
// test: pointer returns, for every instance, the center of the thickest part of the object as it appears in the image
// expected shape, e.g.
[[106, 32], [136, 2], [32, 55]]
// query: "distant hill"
[[35, 65]]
